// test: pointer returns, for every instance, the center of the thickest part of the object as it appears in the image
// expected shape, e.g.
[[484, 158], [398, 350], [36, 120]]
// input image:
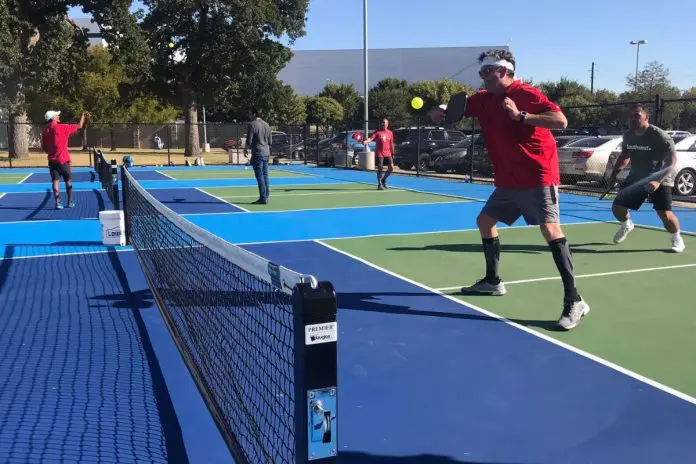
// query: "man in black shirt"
[[653, 157]]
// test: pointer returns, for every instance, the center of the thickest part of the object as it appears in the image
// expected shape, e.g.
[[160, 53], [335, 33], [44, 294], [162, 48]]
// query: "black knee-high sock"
[[491, 250], [564, 262]]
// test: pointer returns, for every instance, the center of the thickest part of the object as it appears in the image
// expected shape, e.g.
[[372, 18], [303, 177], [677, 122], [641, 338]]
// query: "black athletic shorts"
[[58, 170], [382, 160], [634, 197]]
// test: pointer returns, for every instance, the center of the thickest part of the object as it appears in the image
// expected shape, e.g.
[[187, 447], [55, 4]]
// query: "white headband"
[[490, 61]]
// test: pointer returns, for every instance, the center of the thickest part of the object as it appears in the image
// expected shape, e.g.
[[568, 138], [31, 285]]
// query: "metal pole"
[[205, 132], [169, 145], [636, 81], [9, 155], [418, 146], [366, 112]]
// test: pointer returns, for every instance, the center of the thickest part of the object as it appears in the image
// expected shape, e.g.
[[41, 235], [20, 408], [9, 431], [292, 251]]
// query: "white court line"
[[601, 274], [289, 211], [165, 175], [220, 199], [661, 229], [28, 176], [281, 186], [30, 222], [395, 234], [63, 254], [340, 192], [532, 332]]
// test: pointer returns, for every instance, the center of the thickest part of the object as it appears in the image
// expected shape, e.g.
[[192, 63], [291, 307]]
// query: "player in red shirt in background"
[[384, 151], [54, 141], [515, 119]]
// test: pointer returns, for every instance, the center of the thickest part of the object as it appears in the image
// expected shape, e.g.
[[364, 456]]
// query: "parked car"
[[457, 158], [344, 149], [587, 158], [563, 140], [687, 143], [431, 139]]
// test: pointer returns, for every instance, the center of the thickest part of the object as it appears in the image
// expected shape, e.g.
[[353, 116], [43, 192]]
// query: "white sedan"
[[587, 158]]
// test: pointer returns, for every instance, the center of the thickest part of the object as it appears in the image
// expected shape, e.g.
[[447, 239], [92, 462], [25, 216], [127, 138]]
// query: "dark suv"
[[431, 139]]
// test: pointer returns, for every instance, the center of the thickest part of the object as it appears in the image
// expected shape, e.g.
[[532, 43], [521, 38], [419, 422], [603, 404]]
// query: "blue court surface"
[[91, 374]]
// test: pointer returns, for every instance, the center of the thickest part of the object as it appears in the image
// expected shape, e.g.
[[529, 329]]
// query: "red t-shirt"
[[523, 156], [383, 142], [54, 141]]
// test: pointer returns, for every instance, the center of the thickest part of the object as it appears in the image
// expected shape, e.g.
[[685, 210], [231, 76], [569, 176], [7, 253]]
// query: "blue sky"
[[549, 42]]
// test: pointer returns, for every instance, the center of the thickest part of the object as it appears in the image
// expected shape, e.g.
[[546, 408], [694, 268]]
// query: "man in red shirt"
[[54, 141], [515, 119], [384, 151]]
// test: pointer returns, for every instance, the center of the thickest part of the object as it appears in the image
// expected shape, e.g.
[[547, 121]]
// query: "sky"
[[549, 39]]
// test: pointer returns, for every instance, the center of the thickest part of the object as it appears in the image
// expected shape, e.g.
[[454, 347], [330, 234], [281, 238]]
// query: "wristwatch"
[[523, 115]]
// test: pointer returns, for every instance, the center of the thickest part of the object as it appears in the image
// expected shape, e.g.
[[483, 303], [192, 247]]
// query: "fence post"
[[473, 150], [658, 113], [9, 155], [169, 145], [124, 191], [316, 131], [418, 146]]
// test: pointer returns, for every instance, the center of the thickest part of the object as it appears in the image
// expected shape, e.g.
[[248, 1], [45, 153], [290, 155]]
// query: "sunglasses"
[[483, 72]]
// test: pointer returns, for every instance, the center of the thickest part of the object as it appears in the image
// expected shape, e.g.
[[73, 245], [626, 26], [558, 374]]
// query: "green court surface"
[[641, 318], [12, 178], [324, 196], [183, 174]]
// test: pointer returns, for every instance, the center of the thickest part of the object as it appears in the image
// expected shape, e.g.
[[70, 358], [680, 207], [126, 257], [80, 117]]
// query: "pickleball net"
[[232, 315]]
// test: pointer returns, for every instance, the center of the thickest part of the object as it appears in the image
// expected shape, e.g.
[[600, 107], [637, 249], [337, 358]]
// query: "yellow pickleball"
[[417, 103]]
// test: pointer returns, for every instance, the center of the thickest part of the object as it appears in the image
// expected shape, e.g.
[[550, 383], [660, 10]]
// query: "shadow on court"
[[576, 248], [354, 457], [371, 302]]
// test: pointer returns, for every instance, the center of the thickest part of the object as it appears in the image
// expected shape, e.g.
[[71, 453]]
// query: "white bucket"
[[113, 227]]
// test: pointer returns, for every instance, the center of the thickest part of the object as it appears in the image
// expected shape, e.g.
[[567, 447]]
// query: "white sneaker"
[[573, 312], [624, 230], [677, 244]]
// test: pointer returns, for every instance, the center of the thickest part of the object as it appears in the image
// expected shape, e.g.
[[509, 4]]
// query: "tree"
[[38, 48], [323, 111], [565, 87], [225, 46], [42, 52], [686, 115], [437, 92], [390, 99], [347, 96], [653, 80], [286, 107]]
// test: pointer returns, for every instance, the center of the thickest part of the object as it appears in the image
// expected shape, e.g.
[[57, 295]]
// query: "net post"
[[114, 184], [316, 389], [124, 190]]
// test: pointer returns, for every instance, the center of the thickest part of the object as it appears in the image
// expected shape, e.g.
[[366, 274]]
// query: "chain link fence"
[[587, 149]]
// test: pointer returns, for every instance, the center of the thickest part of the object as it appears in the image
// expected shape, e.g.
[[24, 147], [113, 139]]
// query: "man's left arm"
[[669, 162]]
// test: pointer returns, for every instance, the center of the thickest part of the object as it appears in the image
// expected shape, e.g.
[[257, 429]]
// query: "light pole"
[[365, 113], [638, 43]]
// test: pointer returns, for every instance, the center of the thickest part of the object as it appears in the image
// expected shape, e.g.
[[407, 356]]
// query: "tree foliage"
[[226, 46], [323, 111], [348, 96]]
